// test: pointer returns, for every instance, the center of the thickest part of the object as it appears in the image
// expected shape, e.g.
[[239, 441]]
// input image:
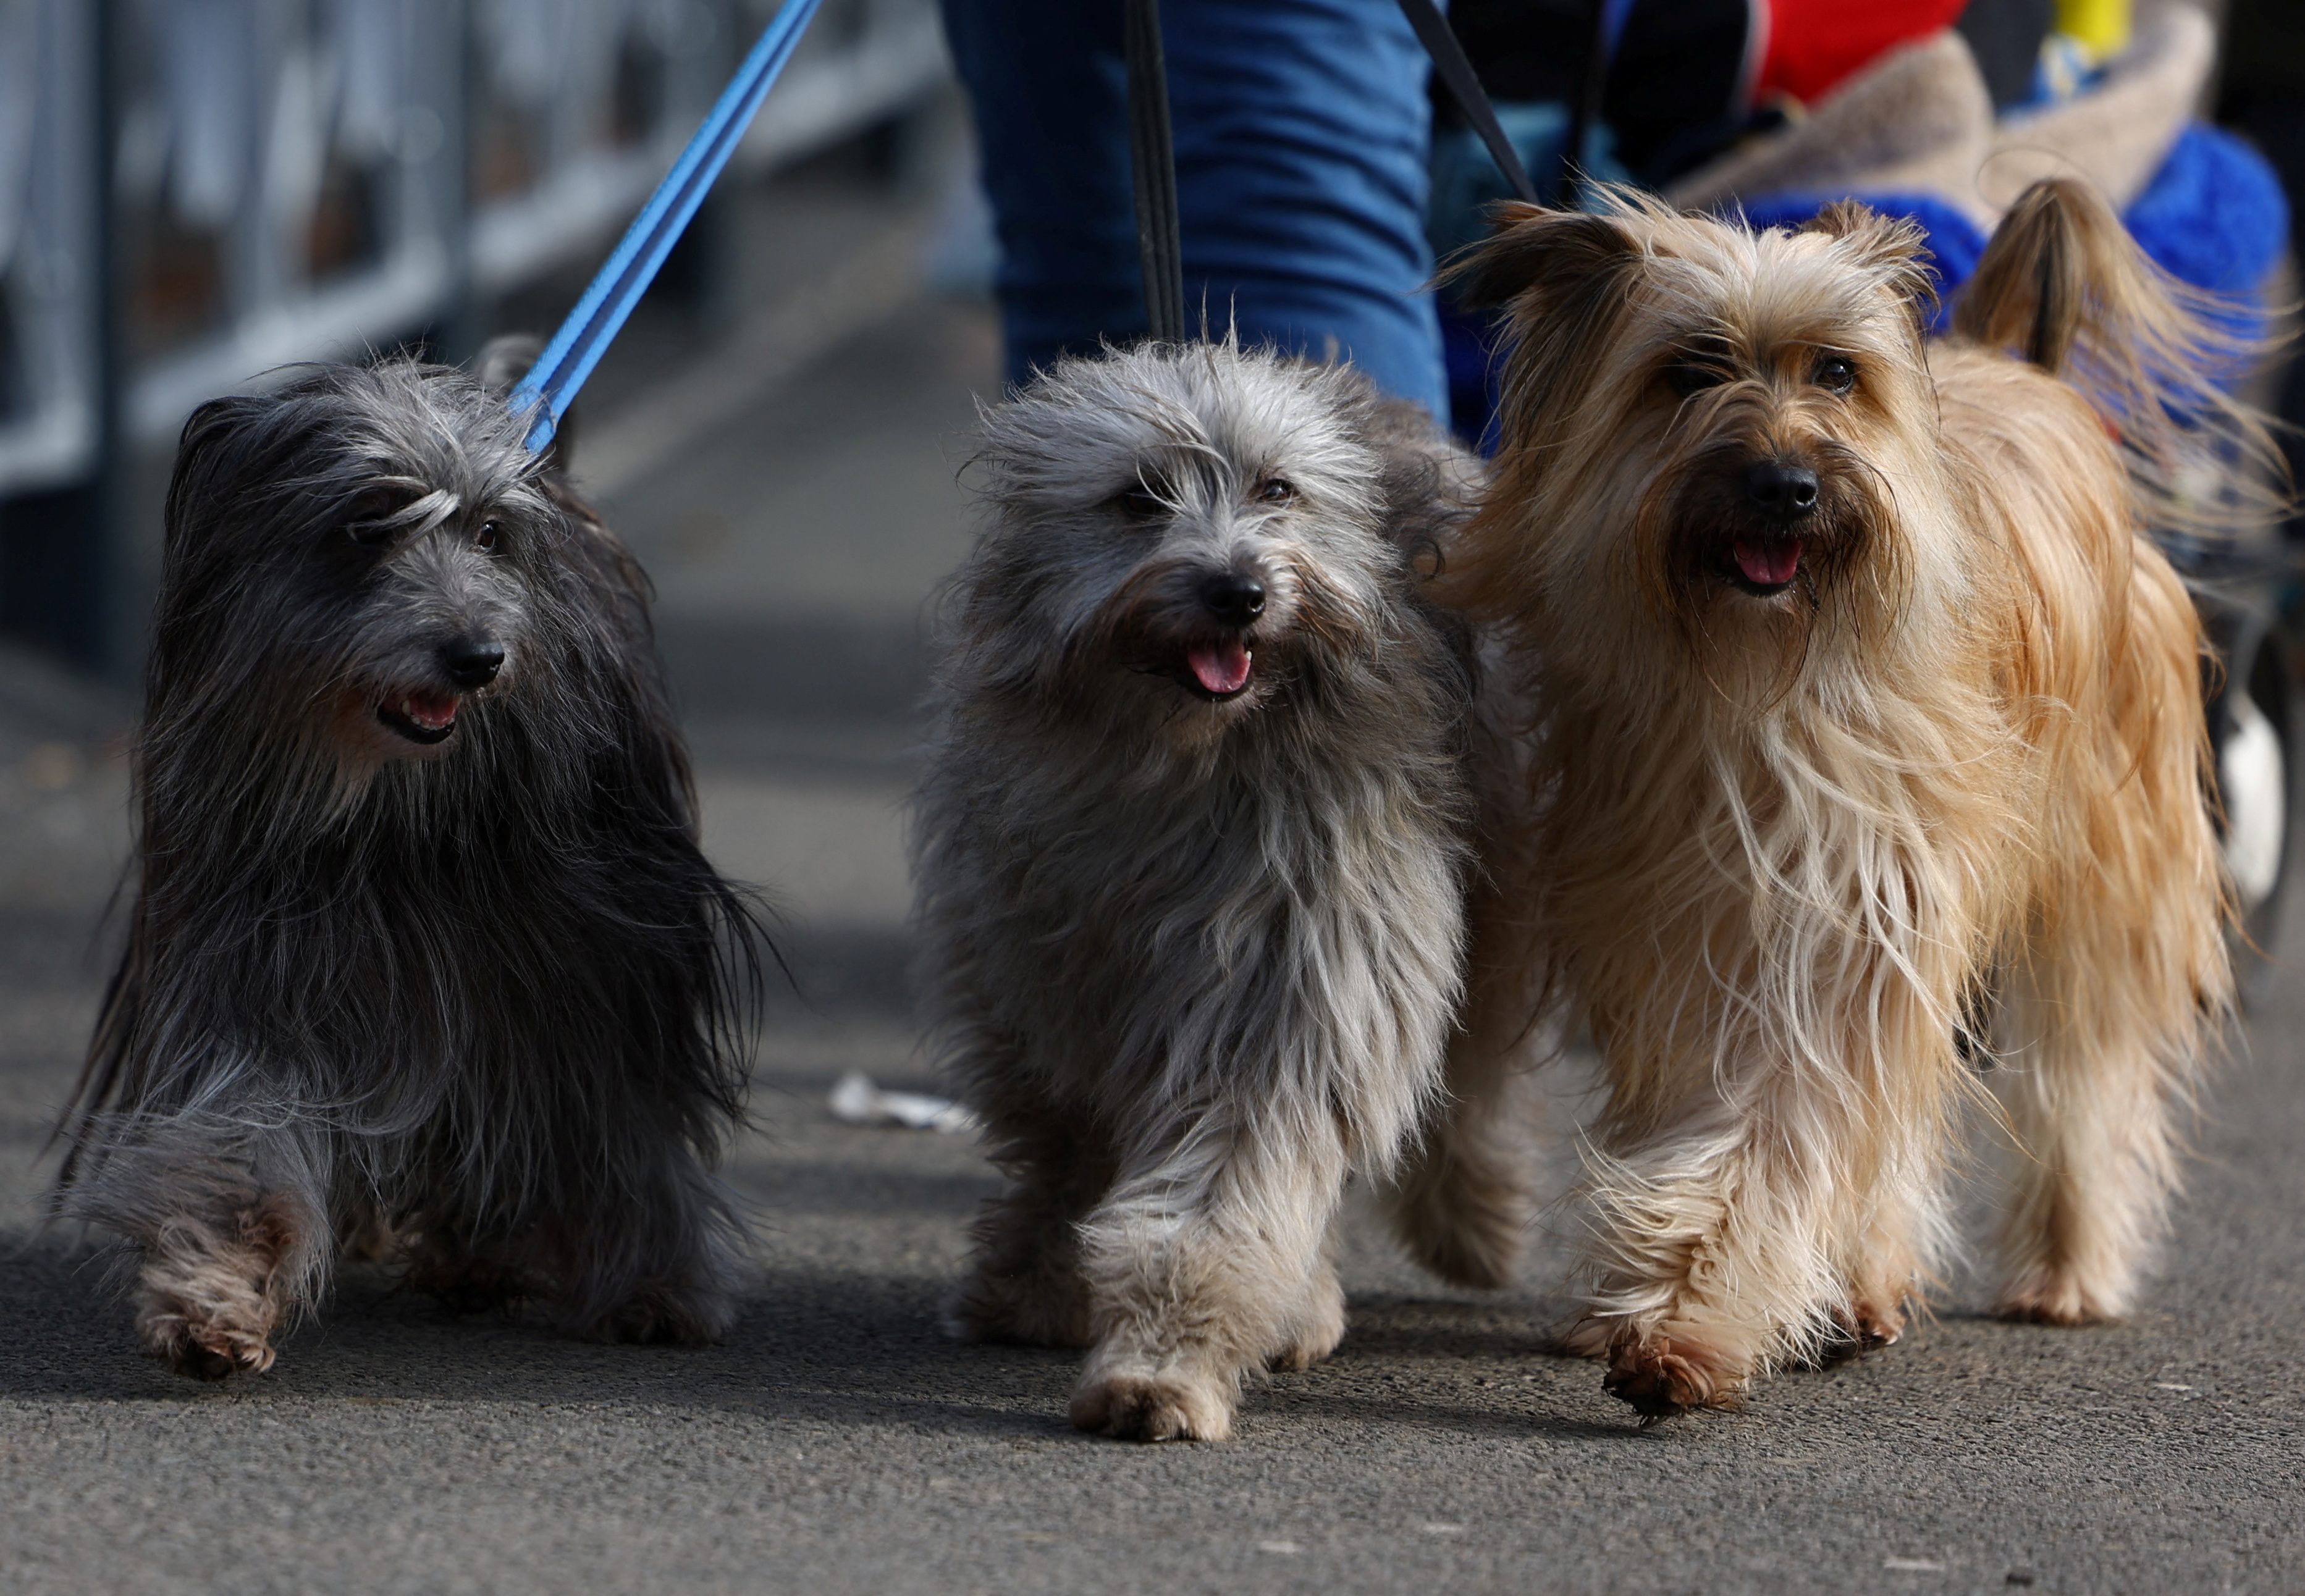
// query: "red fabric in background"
[[1814, 44]]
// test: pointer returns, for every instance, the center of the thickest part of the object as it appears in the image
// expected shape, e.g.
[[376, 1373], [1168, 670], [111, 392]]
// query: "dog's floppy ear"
[[1531, 249], [1893, 247]]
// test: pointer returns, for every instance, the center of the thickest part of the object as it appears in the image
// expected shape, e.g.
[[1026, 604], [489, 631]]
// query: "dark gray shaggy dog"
[[423, 957], [1189, 858]]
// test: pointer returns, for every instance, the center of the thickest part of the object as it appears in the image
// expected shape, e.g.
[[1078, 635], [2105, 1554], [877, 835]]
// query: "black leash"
[[1449, 59], [1153, 158]]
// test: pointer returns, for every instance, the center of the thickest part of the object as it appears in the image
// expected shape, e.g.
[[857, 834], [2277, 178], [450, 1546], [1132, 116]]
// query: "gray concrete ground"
[[838, 1443]]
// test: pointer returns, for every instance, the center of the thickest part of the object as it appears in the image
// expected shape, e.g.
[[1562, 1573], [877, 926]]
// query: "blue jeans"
[[1302, 134]]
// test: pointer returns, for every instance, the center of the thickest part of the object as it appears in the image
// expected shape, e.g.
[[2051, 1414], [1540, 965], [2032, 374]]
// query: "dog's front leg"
[[209, 1291], [1465, 1200], [1206, 1263], [229, 1224], [1712, 1258], [1024, 1281]]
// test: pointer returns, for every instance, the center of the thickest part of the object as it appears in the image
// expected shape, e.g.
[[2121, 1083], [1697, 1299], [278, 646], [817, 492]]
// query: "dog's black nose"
[[1782, 490], [1234, 598], [472, 661]]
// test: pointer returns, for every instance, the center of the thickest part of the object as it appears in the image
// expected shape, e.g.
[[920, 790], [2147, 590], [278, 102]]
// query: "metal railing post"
[[59, 547]]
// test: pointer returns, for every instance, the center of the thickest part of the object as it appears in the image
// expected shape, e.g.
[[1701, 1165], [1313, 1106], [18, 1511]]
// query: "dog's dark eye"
[[1140, 503], [1836, 374], [1275, 490], [485, 540], [1691, 376]]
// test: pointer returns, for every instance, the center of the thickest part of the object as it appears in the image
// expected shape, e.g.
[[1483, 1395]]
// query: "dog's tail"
[[2063, 285]]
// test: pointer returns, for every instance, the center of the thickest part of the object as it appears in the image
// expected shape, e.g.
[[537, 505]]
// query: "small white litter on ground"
[[855, 1100]]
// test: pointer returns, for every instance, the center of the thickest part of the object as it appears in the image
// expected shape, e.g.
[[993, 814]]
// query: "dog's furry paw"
[[1305, 1351], [2044, 1298], [1866, 1325], [1040, 1308], [209, 1347], [207, 1295], [1874, 1327], [1662, 1379], [1317, 1334], [1860, 1328], [668, 1315], [1152, 1407], [1465, 1225], [469, 1285]]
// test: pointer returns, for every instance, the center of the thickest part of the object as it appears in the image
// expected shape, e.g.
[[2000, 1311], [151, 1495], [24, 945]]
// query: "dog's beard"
[[401, 673], [326, 731], [1211, 665], [1753, 598]]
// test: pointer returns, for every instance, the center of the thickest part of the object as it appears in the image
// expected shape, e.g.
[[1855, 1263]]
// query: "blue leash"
[[551, 384]]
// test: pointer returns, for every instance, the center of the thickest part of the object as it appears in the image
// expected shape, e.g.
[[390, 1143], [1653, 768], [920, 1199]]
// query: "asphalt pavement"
[[838, 1443]]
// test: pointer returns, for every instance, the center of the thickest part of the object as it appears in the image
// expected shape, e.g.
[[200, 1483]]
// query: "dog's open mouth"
[[1763, 564], [1218, 670], [421, 716]]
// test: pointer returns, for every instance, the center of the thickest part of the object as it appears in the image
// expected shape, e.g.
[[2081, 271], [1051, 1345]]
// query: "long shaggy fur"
[[475, 998], [1782, 845], [1191, 953]]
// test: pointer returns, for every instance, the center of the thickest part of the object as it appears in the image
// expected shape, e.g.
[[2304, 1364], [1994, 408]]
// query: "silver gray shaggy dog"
[[1188, 857], [423, 958]]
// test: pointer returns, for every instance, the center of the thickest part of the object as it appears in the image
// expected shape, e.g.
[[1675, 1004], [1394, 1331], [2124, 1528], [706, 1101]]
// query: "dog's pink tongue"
[[1768, 562], [432, 710], [1220, 667]]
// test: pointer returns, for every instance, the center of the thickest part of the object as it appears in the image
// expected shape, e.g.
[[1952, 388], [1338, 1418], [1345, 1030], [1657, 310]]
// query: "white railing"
[[307, 178], [48, 271]]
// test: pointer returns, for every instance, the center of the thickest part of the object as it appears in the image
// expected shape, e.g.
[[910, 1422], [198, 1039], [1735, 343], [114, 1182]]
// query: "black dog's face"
[[357, 561], [439, 617]]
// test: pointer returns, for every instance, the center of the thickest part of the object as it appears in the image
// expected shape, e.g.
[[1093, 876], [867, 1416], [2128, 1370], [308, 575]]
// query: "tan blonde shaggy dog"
[[1854, 707], [1190, 849]]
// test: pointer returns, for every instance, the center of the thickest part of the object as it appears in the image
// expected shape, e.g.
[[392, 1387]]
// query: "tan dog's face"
[[1761, 496], [1704, 426]]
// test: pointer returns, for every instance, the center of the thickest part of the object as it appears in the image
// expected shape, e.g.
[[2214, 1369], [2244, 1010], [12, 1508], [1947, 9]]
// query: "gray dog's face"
[[1182, 530]]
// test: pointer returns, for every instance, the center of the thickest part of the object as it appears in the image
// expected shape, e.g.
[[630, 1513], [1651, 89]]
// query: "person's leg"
[[1303, 137], [1302, 133], [1049, 90]]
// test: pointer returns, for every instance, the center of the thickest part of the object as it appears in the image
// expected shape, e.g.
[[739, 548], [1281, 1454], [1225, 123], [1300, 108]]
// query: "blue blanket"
[[2213, 216]]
